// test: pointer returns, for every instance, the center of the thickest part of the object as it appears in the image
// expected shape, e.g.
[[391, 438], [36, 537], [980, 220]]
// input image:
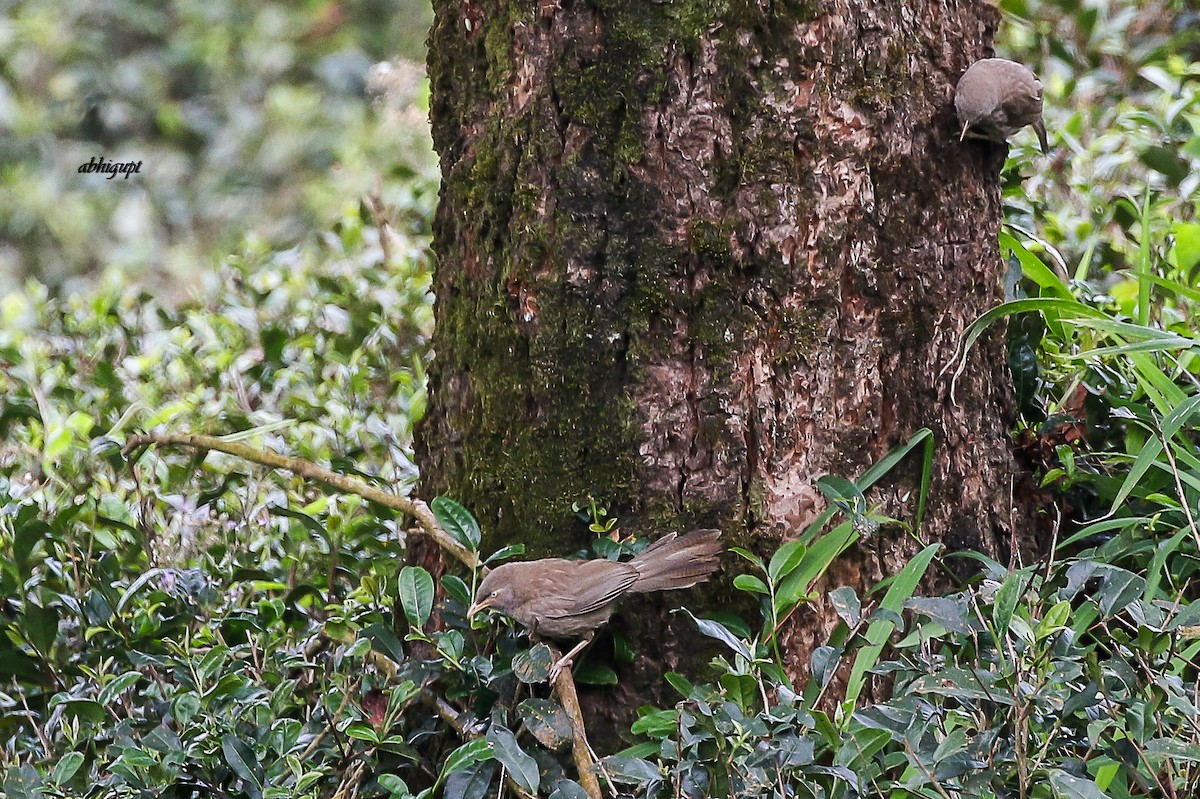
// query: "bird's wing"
[[594, 585]]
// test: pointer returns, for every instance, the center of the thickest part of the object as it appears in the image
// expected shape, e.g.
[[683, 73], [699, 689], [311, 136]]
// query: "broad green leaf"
[[22, 782], [521, 766], [750, 556], [1055, 619], [504, 553], [416, 595], [846, 605], [41, 626], [631, 770], [655, 723], [456, 589], [785, 560], [244, 763], [65, 768], [393, 784], [309, 523], [136, 586], [547, 722], [533, 665], [118, 686], [1068, 786], [594, 674], [568, 789], [457, 521], [466, 755], [750, 584]]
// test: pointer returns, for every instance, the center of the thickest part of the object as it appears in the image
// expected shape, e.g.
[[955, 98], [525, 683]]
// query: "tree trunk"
[[692, 256]]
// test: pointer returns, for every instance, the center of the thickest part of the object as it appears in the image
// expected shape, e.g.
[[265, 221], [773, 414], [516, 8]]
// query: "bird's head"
[[496, 592]]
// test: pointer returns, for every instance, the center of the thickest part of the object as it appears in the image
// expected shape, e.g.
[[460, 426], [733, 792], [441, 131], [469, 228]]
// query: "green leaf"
[[85, 709], [309, 523], [186, 706], [464, 756], [742, 689], [1187, 245], [65, 768], [750, 556], [1068, 786], [1161, 749], [416, 595], [363, 732], [504, 553], [242, 761], [901, 589], [785, 560], [847, 605], [533, 665], [594, 674], [1005, 603], [456, 589], [41, 626], [393, 785], [472, 782], [656, 723], [117, 687], [384, 641], [457, 521], [680, 684], [521, 766], [794, 588], [631, 770], [750, 584], [136, 586], [22, 782], [547, 722], [1054, 620], [720, 632], [568, 789]]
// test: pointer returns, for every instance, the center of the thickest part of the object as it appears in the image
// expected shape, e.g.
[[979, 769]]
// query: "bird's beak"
[[1040, 127], [963, 135], [481, 605]]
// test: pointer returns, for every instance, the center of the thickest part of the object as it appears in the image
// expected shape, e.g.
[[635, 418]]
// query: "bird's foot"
[[560, 664], [565, 661]]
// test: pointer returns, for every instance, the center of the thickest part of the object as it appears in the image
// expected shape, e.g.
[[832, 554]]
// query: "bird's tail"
[[677, 562]]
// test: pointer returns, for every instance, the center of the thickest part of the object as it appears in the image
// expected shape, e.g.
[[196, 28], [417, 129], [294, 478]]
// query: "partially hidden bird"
[[996, 97], [565, 599]]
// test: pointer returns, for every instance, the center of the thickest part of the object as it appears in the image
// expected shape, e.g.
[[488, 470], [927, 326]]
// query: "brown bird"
[[559, 598], [996, 97]]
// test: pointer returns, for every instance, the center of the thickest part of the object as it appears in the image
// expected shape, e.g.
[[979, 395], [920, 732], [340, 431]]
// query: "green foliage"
[[247, 118], [176, 623], [1122, 97]]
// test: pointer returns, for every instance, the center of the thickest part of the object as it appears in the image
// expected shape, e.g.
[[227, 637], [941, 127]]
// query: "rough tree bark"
[[694, 255]]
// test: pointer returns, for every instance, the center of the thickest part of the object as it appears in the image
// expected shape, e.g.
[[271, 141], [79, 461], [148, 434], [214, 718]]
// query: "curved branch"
[[351, 485]]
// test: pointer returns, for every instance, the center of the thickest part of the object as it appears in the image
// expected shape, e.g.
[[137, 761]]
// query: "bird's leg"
[[565, 660]]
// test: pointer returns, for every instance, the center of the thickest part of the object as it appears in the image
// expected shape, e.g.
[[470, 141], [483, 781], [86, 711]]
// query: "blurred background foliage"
[[248, 118], [174, 625], [1122, 105]]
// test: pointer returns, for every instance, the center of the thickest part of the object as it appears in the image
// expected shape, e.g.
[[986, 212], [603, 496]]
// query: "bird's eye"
[[496, 593]]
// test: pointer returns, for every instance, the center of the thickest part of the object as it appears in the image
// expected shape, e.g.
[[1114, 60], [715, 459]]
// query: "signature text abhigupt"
[[112, 168]]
